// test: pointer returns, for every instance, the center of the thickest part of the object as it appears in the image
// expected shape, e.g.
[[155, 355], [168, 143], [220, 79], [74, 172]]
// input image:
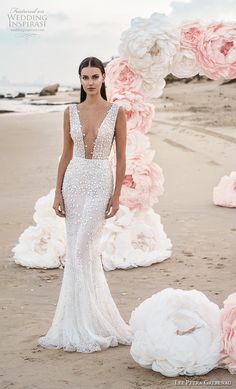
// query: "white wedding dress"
[[86, 318]]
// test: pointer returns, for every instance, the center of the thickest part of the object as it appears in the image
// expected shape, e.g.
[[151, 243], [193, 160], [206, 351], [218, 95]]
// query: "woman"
[[86, 317]]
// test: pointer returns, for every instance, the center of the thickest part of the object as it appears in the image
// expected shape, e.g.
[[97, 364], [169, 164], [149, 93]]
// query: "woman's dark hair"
[[93, 62]]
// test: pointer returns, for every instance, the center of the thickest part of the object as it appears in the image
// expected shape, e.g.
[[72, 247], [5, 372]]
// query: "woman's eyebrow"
[[96, 74]]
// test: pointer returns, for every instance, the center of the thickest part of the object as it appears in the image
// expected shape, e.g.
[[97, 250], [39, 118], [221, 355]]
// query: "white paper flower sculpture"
[[176, 332], [43, 245], [184, 64], [134, 238], [224, 194], [150, 45]]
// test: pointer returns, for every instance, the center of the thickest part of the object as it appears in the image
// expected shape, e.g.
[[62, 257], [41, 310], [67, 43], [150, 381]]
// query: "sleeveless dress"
[[86, 318]]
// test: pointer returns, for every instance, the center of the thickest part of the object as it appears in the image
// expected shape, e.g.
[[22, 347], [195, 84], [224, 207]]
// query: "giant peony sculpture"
[[224, 194], [176, 332], [44, 244], [149, 50], [181, 332], [227, 359]]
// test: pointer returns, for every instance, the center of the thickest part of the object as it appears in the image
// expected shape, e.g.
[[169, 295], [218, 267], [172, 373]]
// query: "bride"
[[86, 318]]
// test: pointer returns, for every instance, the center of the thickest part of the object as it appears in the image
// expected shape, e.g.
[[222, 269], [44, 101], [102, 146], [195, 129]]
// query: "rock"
[[49, 90], [6, 111], [232, 81], [20, 94]]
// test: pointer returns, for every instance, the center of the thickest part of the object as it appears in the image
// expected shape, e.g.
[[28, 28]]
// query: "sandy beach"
[[194, 135]]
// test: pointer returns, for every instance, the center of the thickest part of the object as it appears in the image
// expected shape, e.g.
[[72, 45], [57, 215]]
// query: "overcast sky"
[[77, 29]]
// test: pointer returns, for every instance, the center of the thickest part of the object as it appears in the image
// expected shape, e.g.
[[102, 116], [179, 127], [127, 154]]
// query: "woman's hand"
[[58, 205], [114, 204]]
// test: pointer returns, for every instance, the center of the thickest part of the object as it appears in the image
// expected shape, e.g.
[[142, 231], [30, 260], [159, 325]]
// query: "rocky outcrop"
[[49, 90]]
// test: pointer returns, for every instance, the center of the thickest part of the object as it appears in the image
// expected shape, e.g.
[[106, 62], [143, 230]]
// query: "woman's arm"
[[120, 138], [66, 156], [66, 153]]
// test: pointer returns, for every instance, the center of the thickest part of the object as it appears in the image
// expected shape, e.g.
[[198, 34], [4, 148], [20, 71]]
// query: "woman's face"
[[91, 79]]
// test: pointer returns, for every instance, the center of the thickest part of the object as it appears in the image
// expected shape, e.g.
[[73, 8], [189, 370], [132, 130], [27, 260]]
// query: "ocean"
[[14, 89]]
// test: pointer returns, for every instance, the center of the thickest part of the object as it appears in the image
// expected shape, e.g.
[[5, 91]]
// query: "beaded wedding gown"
[[86, 318]]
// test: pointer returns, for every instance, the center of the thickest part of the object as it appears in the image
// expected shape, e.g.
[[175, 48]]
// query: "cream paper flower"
[[224, 193], [150, 45], [176, 332], [42, 245], [134, 238], [184, 64]]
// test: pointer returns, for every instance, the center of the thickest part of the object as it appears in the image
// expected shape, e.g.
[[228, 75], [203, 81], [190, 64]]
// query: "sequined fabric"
[[86, 318]]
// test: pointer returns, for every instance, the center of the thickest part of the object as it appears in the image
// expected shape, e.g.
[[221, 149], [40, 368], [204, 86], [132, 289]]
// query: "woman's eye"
[[85, 77]]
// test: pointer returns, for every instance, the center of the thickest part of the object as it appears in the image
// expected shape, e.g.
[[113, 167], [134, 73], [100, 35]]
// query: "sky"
[[77, 29]]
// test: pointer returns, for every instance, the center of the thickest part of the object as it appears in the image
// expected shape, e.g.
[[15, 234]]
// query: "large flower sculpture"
[[139, 114], [190, 33], [120, 75], [150, 45], [134, 238], [176, 332], [224, 194], [185, 62], [216, 50], [227, 358], [143, 182], [42, 245]]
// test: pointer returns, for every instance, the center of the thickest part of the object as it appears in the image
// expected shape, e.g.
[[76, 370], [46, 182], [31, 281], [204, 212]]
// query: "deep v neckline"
[[97, 131]]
